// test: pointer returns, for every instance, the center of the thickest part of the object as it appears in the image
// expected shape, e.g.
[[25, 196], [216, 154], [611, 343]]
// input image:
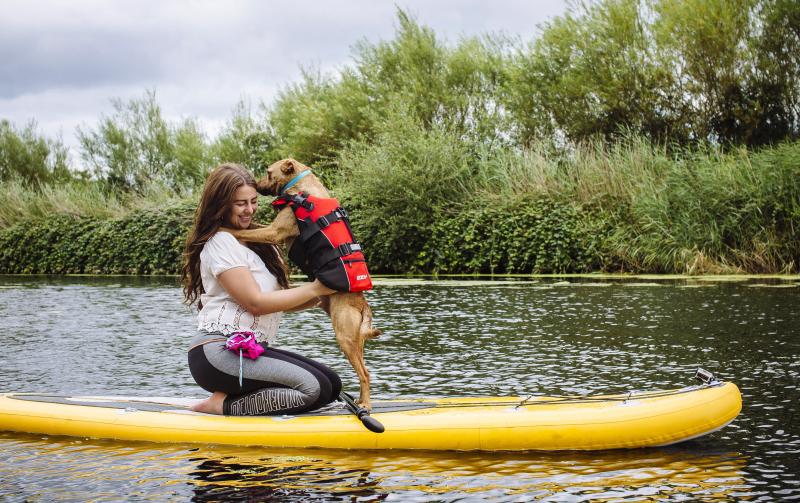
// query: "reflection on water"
[[446, 338], [220, 473], [574, 476]]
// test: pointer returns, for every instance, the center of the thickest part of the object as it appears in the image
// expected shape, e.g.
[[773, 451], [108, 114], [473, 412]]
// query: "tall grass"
[[20, 202], [590, 172], [631, 206], [640, 206], [693, 211]]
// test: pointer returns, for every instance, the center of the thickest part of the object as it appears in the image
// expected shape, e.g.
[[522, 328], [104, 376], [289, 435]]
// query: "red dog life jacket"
[[326, 248]]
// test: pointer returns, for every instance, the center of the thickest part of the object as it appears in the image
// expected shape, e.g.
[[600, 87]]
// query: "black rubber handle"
[[371, 423], [361, 413]]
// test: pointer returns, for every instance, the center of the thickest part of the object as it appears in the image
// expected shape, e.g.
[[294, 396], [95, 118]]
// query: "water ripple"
[[128, 336]]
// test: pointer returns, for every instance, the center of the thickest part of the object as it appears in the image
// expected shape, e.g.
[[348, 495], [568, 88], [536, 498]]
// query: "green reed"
[[671, 210], [20, 202]]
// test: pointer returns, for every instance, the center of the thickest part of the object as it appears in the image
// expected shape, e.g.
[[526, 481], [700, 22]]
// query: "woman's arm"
[[241, 285]]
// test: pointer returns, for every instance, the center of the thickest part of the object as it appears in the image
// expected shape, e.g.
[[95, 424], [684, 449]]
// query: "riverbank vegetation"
[[641, 136]]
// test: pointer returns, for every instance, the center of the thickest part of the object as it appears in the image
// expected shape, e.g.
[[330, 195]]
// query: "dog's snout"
[[263, 185]]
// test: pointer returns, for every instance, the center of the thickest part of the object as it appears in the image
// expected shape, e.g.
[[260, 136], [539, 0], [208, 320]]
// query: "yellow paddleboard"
[[636, 419]]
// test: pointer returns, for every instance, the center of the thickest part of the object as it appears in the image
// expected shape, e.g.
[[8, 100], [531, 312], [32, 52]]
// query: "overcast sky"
[[62, 61]]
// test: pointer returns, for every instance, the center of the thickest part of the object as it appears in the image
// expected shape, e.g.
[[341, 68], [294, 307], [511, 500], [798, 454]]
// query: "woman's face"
[[243, 207]]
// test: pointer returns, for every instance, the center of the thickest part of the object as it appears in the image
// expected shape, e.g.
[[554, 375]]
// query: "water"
[[455, 338]]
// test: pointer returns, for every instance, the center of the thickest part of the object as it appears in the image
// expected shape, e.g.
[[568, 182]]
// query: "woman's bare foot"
[[211, 405]]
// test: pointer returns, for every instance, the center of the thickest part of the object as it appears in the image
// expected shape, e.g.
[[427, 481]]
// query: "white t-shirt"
[[220, 313]]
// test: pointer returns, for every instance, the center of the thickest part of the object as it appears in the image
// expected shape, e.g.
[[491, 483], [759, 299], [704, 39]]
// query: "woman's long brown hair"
[[211, 213]]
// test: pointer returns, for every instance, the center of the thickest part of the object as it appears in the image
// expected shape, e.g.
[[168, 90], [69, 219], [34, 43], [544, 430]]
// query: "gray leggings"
[[277, 382]]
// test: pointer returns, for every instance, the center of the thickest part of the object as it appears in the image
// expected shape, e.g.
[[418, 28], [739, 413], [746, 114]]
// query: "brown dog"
[[350, 314]]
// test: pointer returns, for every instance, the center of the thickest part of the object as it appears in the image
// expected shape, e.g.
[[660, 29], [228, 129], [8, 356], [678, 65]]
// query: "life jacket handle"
[[293, 200]]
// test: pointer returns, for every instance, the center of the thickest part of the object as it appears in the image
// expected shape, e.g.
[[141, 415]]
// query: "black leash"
[[361, 413]]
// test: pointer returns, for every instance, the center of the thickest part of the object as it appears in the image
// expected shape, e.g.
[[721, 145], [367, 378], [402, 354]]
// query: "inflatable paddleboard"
[[635, 419]]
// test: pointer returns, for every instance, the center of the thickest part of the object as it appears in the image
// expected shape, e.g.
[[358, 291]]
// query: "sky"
[[63, 61]]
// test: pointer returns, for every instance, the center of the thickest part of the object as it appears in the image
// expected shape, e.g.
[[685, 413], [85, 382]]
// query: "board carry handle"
[[361, 413]]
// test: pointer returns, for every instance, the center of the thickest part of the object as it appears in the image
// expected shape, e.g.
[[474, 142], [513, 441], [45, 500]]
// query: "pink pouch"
[[245, 344]]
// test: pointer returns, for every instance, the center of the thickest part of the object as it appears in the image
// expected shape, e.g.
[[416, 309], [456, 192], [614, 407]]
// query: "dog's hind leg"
[[346, 320]]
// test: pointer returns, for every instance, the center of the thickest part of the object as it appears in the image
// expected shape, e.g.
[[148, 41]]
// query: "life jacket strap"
[[348, 248], [342, 250], [311, 227]]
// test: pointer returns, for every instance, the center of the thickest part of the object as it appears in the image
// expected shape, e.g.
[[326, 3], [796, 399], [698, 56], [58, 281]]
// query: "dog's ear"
[[287, 168]]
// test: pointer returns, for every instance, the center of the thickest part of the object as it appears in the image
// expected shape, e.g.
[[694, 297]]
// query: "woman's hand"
[[321, 289]]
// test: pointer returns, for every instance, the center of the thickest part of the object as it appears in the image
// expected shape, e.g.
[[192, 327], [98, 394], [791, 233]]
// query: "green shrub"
[[143, 242], [520, 235], [392, 188], [136, 147], [438, 85], [30, 158]]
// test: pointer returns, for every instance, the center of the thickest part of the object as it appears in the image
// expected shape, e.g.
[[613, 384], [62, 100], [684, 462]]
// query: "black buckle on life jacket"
[[310, 227], [332, 217], [345, 249], [322, 258], [301, 199], [296, 200]]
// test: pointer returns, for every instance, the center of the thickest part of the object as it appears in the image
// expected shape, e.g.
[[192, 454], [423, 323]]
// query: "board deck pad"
[[165, 404]]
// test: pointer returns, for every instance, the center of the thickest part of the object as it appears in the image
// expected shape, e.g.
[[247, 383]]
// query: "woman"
[[244, 289]]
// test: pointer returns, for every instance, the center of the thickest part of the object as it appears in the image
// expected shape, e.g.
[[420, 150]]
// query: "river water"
[[127, 336]]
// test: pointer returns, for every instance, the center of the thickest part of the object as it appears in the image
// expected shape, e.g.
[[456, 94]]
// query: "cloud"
[[63, 62]]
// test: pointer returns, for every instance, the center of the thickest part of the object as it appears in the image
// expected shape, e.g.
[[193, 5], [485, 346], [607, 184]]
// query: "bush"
[[521, 235], [143, 242], [136, 147], [394, 186], [29, 158], [455, 88]]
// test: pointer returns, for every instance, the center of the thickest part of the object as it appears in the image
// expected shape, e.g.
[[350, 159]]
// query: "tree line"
[[629, 135], [679, 72]]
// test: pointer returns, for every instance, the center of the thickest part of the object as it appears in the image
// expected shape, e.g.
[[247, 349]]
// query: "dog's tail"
[[367, 330]]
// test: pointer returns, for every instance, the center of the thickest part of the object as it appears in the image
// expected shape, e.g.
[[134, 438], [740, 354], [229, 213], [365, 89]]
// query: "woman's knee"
[[202, 371], [329, 382], [336, 383]]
